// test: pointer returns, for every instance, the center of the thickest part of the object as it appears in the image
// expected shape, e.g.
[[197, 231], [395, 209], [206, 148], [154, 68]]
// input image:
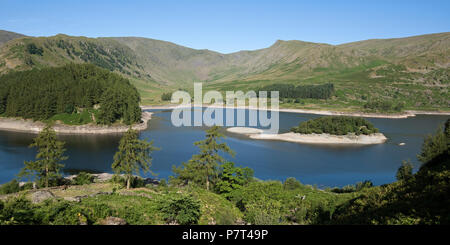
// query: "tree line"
[[336, 125], [41, 94], [384, 106]]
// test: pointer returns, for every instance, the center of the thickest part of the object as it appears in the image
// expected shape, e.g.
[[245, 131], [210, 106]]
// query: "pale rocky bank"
[[255, 133], [402, 115], [30, 126]]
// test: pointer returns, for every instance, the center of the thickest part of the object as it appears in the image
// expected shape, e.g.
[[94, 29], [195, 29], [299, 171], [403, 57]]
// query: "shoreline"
[[405, 114], [254, 133], [29, 126]]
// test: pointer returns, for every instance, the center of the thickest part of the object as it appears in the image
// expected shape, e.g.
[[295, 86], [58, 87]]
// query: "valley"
[[363, 73]]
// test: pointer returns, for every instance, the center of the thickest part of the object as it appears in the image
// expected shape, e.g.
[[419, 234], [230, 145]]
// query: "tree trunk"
[[128, 182], [207, 183], [46, 176]]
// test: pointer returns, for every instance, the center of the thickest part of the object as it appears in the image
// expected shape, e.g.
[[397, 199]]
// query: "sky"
[[229, 25]]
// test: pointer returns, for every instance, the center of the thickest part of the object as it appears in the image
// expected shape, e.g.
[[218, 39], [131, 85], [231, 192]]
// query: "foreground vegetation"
[[210, 190], [73, 94], [336, 125]]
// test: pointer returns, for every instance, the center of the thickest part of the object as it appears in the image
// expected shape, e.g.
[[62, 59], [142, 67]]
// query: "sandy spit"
[[254, 133], [405, 114], [28, 126]]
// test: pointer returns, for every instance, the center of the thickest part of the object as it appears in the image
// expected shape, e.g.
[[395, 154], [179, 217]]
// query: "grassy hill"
[[6, 36], [382, 69]]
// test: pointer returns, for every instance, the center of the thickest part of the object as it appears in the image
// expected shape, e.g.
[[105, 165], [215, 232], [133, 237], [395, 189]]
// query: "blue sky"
[[229, 25]]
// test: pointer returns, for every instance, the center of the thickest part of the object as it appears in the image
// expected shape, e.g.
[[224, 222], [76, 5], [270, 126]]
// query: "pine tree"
[[405, 171], [133, 156], [433, 146], [202, 168], [48, 159]]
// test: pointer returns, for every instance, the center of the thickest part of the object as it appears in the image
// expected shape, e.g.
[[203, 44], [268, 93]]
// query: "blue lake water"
[[323, 165]]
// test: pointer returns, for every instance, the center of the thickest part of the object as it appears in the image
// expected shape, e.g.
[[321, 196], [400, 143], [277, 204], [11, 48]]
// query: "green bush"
[[232, 178], [182, 209], [166, 96], [55, 181], [136, 182], [404, 172], [291, 184], [27, 186], [10, 187], [163, 183], [83, 178], [265, 211], [17, 211], [353, 188]]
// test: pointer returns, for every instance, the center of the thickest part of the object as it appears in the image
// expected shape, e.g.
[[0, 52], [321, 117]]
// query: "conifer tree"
[[48, 159], [202, 168], [405, 171], [433, 146], [133, 156]]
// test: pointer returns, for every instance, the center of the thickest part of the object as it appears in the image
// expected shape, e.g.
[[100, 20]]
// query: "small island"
[[323, 130], [74, 99]]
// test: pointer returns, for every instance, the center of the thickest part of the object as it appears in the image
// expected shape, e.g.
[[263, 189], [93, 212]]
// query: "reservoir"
[[321, 165]]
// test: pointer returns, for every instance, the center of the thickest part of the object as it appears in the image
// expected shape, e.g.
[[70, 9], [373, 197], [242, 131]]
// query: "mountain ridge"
[[6, 36], [420, 61]]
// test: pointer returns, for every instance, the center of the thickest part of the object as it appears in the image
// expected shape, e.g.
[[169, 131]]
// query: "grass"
[[81, 118]]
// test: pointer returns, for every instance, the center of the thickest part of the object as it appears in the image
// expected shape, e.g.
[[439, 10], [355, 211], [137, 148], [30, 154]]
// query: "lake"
[[321, 165]]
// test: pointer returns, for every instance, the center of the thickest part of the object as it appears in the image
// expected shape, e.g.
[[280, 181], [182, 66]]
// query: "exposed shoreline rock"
[[255, 133], [405, 114], [29, 126]]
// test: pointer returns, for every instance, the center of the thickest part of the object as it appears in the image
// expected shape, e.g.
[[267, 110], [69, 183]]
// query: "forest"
[[324, 91], [68, 90], [336, 125]]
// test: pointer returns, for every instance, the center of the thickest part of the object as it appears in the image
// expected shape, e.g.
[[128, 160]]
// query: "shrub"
[[404, 172], [17, 211], [184, 209], [135, 181], [83, 178], [27, 186], [232, 178], [163, 183], [291, 184], [363, 185], [10, 187], [57, 181], [166, 96], [263, 211]]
